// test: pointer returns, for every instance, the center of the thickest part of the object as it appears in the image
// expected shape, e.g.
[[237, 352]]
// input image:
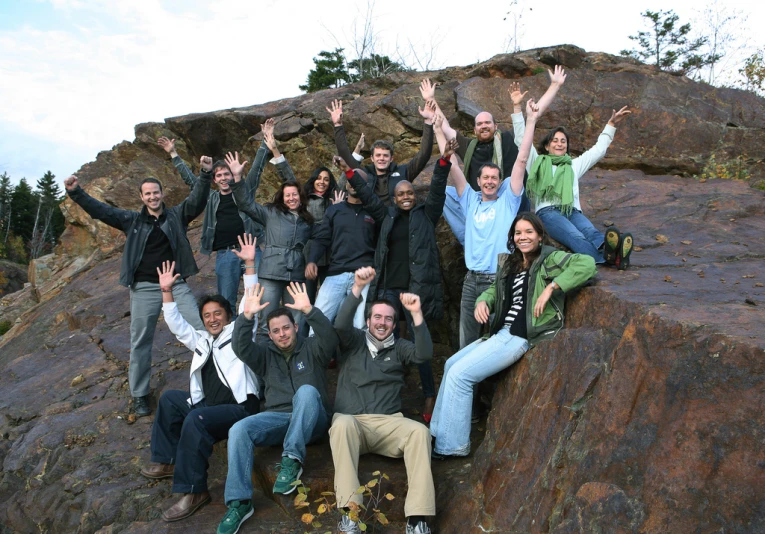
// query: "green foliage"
[[23, 210], [365, 514], [668, 45], [730, 169], [330, 71], [4, 327], [374, 66], [753, 72]]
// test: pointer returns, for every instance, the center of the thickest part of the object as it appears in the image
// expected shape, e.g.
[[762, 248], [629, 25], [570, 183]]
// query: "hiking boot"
[[189, 503], [346, 524], [611, 243], [623, 254], [420, 528], [141, 405], [237, 514], [290, 472]]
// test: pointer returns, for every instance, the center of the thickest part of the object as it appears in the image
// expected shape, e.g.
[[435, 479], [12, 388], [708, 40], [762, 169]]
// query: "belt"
[[230, 247], [481, 273]]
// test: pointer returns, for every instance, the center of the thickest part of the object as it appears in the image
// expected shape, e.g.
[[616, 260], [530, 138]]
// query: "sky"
[[77, 75]]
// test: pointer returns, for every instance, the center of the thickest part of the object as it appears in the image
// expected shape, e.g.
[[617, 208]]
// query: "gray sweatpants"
[[145, 307]]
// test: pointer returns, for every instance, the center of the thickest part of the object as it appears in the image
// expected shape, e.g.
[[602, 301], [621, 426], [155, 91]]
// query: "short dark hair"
[[220, 164], [489, 166], [279, 312], [220, 299], [149, 180], [385, 145], [542, 149], [386, 302]]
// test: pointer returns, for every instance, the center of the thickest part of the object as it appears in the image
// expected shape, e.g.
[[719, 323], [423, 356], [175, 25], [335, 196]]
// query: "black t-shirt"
[[483, 154], [157, 250], [516, 295], [397, 263], [228, 224], [216, 392]]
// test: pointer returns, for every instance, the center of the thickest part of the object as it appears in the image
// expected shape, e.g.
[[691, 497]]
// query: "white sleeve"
[[519, 129], [182, 330], [585, 162]]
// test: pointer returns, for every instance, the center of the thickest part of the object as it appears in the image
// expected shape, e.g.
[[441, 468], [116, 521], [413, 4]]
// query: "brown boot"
[[189, 503], [157, 471]]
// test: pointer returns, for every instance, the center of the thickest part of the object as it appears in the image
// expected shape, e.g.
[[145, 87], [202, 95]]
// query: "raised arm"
[[253, 177], [253, 354], [283, 168], [586, 161], [196, 202], [359, 147], [422, 348], [519, 167], [371, 201], [344, 319], [325, 336], [114, 217], [434, 203], [186, 175], [418, 162], [335, 110], [181, 329]]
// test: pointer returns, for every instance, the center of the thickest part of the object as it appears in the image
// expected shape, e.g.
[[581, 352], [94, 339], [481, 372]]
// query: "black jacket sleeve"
[[251, 353], [341, 143], [324, 336], [114, 217], [434, 203], [418, 162], [371, 201]]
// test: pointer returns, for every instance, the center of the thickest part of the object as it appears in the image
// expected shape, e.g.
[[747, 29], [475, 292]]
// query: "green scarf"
[[496, 158], [543, 186]]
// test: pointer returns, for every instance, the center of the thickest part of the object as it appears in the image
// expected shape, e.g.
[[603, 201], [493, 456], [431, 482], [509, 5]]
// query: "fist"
[[206, 163], [71, 183]]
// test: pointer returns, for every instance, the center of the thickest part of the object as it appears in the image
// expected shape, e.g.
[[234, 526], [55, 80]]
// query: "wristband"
[[163, 290], [349, 173], [443, 162], [249, 266]]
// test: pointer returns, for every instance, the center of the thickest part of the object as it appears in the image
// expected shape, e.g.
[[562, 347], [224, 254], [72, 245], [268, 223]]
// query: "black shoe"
[[141, 405]]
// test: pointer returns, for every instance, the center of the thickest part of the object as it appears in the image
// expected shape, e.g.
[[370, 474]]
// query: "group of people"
[[346, 272]]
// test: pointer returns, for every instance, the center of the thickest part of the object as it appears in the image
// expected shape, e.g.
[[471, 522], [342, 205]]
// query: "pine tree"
[[329, 71], [24, 209], [51, 196]]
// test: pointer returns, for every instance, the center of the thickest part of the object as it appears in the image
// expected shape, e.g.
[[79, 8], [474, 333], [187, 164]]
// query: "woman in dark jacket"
[[527, 300]]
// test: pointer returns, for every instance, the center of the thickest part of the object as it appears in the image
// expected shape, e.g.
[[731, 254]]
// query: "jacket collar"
[[144, 215]]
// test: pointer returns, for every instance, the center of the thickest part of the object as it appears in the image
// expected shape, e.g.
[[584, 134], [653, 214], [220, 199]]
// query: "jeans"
[[426, 370], [184, 435], [145, 306], [228, 270], [307, 423], [332, 293], [312, 286], [574, 232], [479, 360], [275, 293], [473, 286]]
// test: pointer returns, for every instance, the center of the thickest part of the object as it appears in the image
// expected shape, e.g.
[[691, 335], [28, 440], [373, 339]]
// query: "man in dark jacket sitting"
[[297, 405], [368, 415]]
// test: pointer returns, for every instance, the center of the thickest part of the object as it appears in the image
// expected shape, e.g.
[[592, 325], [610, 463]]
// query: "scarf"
[[496, 157], [557, 189], [375, 345]]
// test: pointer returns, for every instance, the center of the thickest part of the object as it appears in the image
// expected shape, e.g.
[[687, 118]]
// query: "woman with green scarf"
[[553, 185]]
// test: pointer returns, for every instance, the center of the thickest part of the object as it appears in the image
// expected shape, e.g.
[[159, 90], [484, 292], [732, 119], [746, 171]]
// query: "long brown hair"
[[278, 201], [516, 256]]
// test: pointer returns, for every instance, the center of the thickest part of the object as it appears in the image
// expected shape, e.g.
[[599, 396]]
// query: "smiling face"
[[283, 332], [404, 196], [222, 177], [484, 127], [489, 182], [292, 198], [558, 145], [381, 158], [215, 318], [382, 321], [526, 238], [321, 184], [151, 196]]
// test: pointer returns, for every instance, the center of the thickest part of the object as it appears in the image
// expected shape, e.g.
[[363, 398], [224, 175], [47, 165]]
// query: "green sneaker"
[[236, 515], [290, 472]]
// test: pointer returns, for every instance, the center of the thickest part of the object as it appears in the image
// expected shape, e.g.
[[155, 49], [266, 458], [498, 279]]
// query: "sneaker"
[[420, 528], [623, 254], [348, 525], [611, 245], [236, 515], [141, 405], [290, 472]]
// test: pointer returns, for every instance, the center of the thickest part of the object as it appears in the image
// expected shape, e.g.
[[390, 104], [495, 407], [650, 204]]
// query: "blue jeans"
[[307, 422], [472, 287], [479, 360], [184, 435], [332, 293], [574, 232], [228, 270], [426, 370]]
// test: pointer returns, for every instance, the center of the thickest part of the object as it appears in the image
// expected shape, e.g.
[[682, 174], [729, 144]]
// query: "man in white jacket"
[[222, 390]]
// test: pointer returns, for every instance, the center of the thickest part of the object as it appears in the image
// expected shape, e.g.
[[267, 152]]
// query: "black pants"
[[184, 435]]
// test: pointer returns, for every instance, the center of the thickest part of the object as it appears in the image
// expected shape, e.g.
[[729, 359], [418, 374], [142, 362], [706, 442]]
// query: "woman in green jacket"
[[527, 300]]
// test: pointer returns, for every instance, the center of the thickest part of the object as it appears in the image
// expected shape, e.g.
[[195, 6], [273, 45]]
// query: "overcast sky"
[[77, 75]]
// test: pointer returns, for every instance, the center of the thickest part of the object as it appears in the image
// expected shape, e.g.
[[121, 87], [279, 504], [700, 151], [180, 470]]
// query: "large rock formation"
[[642, 416]]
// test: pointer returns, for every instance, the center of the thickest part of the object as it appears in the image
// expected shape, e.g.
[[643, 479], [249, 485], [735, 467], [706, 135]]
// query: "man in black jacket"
[[297, 405], [384, 173], [368, 415], [154, 235]]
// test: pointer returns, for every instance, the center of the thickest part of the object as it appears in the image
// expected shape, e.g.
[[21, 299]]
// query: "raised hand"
[[363, 276], [558, 76], [336, 112], [233, 163], [515, 94], [617, 116], [248, 247], [450, 148], [206, 163], [300, 297], [168, 145], [429, 112], [71, 183], [166, 276], [252, 298], [270, 140], [532, 110], [311, 271], [267, 126], [339, 197], [482, 313], [411, 302], [359, 145], [427, 89], [340, 163], [438, 120]]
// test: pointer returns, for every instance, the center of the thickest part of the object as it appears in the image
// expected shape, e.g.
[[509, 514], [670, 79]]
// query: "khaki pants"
[[388, 435]]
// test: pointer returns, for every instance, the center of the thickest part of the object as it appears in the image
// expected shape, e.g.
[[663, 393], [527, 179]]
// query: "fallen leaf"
[[758, 284], [131, 418], [667, 278], [79, 379], [608, 223], [661, 238], [307, 518], [602, 187], [686, 242], [637, 249]]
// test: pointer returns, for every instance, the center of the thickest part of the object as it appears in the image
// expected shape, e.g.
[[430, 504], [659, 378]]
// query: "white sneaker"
[[420, 528], [347, 525]]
